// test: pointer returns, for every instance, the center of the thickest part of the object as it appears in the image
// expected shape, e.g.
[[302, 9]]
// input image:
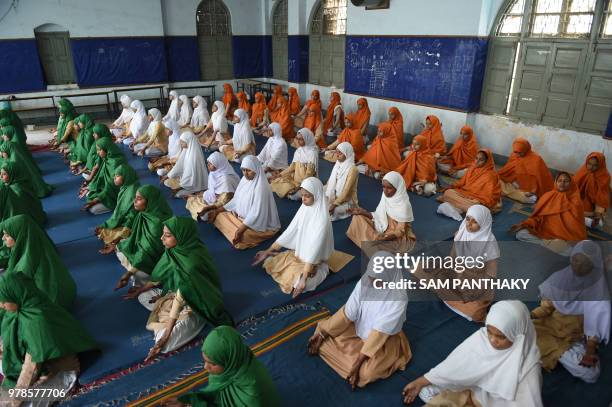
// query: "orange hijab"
[[481, 183], [418, 165], [229, 99], [313, 121], [398, 126], [278, 94], [530, 171], [383, 154], [594, 187], [463, 153], [312, 102], [258, 109], [243, 103], [435, 137], [558, 215], [362, 116], [282, 116], [329, 117], [353, 135], [294, 101]]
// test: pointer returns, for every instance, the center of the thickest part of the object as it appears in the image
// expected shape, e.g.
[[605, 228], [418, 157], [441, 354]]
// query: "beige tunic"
[[229, 151], [109, 236], [454, 197], [291, 178], [511, 192], [196, 204], [171, 306], [349, 192], [228, 224], [386, 353], [362, 230]]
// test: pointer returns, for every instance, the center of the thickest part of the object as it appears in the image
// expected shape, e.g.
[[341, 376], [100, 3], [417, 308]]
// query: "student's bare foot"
[[314, 344]]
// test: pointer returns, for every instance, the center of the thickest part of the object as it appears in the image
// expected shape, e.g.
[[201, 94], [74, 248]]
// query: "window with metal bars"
[[280, 51], [327, 39], [214, 30]]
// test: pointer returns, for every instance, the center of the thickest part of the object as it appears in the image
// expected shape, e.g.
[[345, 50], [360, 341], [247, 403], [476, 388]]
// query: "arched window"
[[280, 62], [327, 39], [53, 43], [214, 40], [550, 62]]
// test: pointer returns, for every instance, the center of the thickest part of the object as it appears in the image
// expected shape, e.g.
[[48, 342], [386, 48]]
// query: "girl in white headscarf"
[[251, 216], [497, 366], [391, 223], [273, 156], [164, 164], [138, 124], [242, 142], [309, 239], [200, 117], [173, 110], [185, 112], [574, 316], [189, 173], [305, 164], [341, 188], [215, 132], [363, 341], [222, 183], [154, 142], [123, 121]]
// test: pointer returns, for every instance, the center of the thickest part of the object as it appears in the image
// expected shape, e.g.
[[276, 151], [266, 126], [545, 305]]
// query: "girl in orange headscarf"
[[258, 112], [334, 119], [557, 218], [294, 101], [479, 185], [282, 116], [419, 168], [243, 102], [525, 177], [396, 120], [314, 123], [461, 155], [351, 134], [593, 182], [362, 116], [278, 94], [383, 155], [434, 135], [229, 100]]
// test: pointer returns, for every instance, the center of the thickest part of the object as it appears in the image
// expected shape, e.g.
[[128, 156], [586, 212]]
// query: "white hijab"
[[340, 172], [174, 143], [398, 207], [200, 115], [173, 110], [310, 232], [383, 310], [126, 112], [469, 244], [218, 118], [191, 166], [475, 363], [223, 179], [186, 111], [140, 122], [157, 117], [253, 201], [274, 153], [243, 134], [310, 152], [586, 295]]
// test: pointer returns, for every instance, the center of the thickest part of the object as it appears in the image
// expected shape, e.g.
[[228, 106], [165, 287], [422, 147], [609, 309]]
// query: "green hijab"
[[35, 255], [124, 209], [85, 140], [17, 196], [11, 132], [189, 268], [40, 328], [144, 248], [28, 167], [102, 131], [102, 186], [245, 381], [14, 120], [67, 110]]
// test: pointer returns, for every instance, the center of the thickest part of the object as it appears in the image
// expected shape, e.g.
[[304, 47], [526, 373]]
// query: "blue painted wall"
[[252, 55], [440, 71], [20, 69], [298, 58], [609, 128], [183, 59]]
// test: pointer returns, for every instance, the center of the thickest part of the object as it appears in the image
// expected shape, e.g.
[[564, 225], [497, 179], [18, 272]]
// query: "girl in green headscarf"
[[78, 154], [101, 191], [9, 133], [115, 228], [11, 152], [236, 378], [191, 286], [100, 131], [34, 254], [15, 134], [140, 252], [36, 332], [17, 194], [65, 128]]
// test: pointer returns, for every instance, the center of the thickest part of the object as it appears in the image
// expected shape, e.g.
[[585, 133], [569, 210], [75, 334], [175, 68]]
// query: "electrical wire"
[[11, 6]]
